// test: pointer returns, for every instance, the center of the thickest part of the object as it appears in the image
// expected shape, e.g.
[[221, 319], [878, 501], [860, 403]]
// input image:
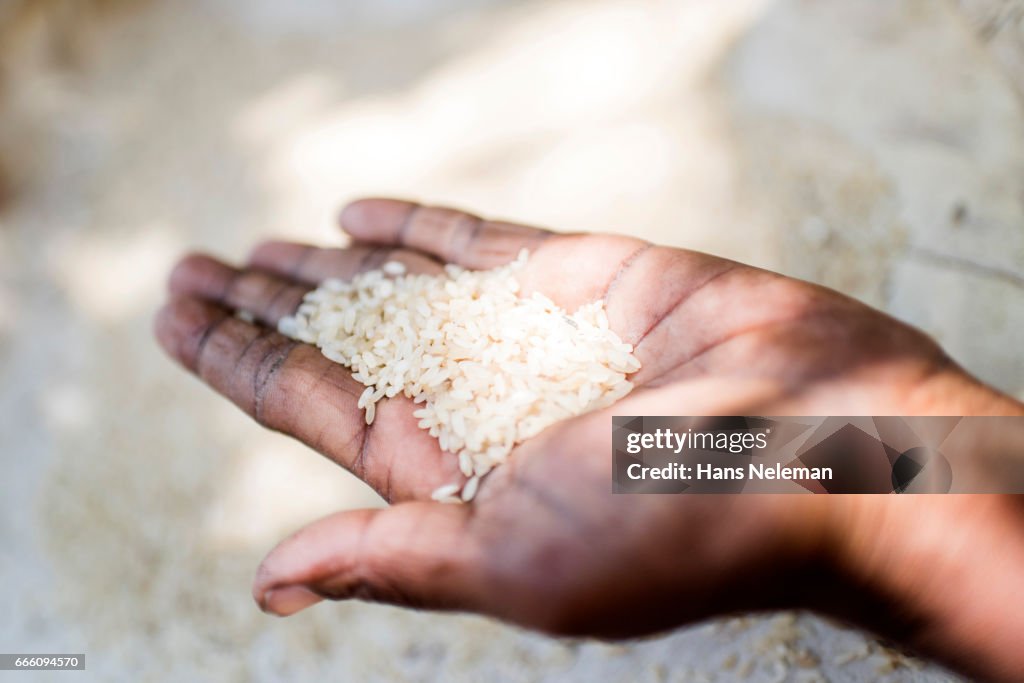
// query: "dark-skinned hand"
[[545, 544]]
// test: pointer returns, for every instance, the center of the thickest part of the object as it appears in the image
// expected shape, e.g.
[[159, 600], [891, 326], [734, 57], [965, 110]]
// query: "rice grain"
[[487, 367]]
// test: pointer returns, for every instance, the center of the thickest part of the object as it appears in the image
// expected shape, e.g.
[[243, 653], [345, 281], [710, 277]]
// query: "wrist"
[[939, 574]]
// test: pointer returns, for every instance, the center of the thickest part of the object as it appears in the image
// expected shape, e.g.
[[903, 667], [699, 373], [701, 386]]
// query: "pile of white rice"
[[489, 367]]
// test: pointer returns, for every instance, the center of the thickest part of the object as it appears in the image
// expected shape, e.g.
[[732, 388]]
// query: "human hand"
[[545, 543]]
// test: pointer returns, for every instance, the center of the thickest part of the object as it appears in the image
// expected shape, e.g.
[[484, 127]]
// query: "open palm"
[[545, 543]]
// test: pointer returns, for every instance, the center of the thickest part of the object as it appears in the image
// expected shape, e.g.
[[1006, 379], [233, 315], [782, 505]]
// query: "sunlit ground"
[[876, 150]]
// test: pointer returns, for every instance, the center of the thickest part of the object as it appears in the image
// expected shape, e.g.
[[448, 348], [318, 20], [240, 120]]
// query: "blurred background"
[[875, 147]]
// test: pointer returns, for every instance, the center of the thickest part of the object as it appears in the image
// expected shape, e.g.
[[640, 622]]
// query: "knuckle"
[[274, 353], [464, 230], [248, 289], [451, 229], [375, 257], [282, 300], [195, 346], [359, 463]]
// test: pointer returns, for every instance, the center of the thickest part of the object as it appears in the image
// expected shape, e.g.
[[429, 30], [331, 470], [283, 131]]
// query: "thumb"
[[416, 554]]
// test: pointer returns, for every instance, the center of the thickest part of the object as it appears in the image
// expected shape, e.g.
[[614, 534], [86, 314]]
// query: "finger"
[[453, 236], [308, 264], [470, 241], [414, 554], [267, 297], [291, 387]]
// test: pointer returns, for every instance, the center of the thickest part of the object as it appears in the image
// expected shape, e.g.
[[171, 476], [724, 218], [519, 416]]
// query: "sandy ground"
[[874, 147]]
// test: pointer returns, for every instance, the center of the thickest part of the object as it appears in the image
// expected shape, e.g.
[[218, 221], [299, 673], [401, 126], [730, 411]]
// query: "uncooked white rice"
[[488, 367]]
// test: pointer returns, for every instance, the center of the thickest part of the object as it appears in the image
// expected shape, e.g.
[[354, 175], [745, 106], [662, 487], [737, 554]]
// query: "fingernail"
[[288, 600]]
